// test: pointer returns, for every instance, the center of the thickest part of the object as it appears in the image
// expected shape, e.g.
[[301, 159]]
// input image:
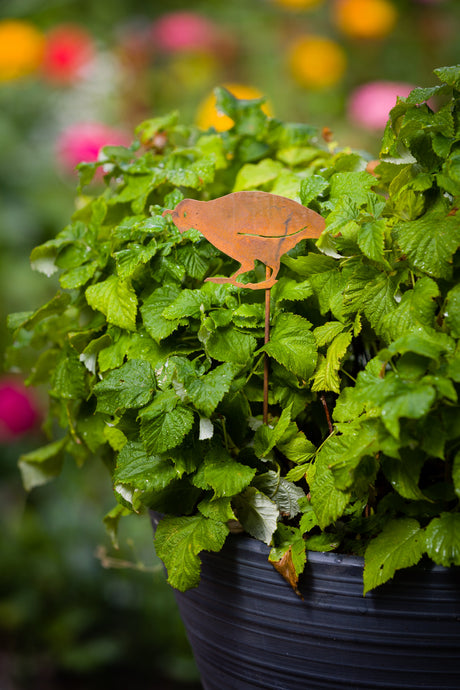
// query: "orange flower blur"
[[365, 18], [21, 49], [317, 62], [208, 115]]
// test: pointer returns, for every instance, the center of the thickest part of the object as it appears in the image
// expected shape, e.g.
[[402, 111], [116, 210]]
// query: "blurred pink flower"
[[369, 105], [68, 50], [83, 141], [180, 31], [19, 411]]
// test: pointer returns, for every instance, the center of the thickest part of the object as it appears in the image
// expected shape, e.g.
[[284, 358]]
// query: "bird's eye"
[[185, 214]]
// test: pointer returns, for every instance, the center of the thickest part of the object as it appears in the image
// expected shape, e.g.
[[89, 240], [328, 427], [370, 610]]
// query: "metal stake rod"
[[266, 339]]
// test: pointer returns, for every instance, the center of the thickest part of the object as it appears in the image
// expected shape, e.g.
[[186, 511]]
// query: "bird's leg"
[[246, 266], [269, 281]]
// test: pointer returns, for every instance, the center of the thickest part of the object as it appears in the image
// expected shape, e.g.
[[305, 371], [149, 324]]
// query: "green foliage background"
[[47, 566]]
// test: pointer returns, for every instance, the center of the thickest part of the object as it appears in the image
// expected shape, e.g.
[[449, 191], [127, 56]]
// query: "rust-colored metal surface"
[[250, 226]]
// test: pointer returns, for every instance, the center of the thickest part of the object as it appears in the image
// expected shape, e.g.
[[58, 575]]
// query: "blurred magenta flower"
[[369, 105], [69, 49], [83, 141], [19, 411], [182, 31]]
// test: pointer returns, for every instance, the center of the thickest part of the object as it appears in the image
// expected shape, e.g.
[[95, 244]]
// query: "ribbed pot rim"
[[329, 557], [323, 558]]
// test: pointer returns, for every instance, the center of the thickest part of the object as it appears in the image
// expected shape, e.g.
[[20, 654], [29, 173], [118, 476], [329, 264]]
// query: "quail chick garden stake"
[[248, 226]]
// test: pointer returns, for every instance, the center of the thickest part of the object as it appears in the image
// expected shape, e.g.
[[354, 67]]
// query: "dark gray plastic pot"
[[249, 630]]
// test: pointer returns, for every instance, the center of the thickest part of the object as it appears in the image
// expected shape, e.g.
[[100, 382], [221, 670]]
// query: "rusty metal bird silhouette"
[[249, 226]]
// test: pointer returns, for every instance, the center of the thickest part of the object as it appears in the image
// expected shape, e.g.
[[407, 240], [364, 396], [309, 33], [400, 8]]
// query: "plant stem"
[[322, 397]]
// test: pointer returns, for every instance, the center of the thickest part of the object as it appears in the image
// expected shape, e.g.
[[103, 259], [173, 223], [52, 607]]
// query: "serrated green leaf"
[[293, 345], [224, 475], [230, 345], [146, 130], [404, 474], [355, 185], [78, 276], [328, 287], [266, 437], [187, 303], [322, 542], [287, 496], [28, 319], [192, 260], [69, 376], [116, 299], [297, 448], [327, 501], [401, 544], [343, 454], [420, 95], [449, 75], [40, 466], [371, 239], [452, 311], [327, 377], [183, 176], [207, 391], [311, 264], [287, 289], [179, 540], [308, 520], [344, 213], [115, 437], [142, 471], [217, 508], [156, 325], [424, 341], [443, 539], [430, 241], [287, 184], [246, 316], [257, 513], [311, 187], [327, 332], [130, 386], [129, 259], [412, 399], [417, 307], [252, 176], [138, 187], [371, 291], [164, 426]]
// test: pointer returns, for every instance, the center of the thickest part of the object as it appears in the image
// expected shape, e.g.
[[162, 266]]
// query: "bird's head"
[[184, 215]]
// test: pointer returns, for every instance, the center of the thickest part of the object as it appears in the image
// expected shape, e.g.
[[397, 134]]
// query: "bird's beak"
[[168, 212]]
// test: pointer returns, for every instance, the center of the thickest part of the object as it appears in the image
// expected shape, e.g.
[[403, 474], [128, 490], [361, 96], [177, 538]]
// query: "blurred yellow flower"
[[208, 115], [21, 49], [317, 62], [297, 4], [365, 18]]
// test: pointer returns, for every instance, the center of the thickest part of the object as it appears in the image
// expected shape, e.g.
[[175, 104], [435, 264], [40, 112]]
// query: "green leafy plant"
[[161, 373]]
